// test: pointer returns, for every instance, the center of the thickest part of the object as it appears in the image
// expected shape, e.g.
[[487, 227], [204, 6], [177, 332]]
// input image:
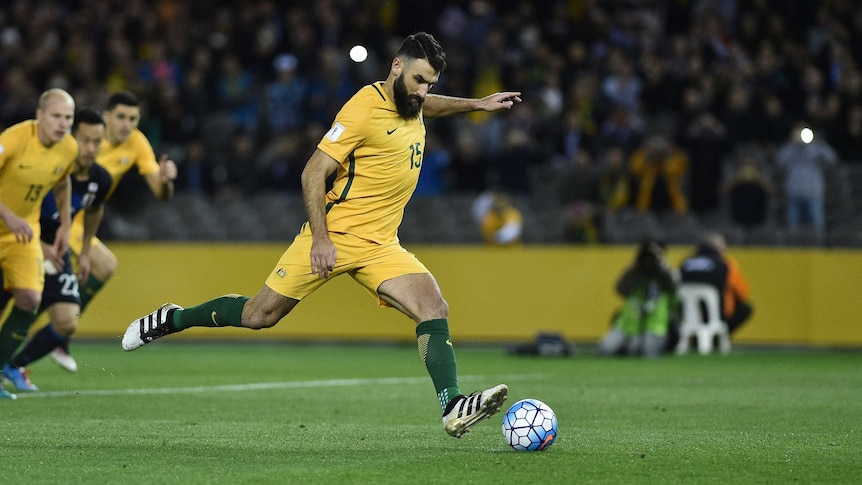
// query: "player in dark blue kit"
[[90, 184]]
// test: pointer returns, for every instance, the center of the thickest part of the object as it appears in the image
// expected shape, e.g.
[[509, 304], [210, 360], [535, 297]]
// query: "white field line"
[[263, 386]]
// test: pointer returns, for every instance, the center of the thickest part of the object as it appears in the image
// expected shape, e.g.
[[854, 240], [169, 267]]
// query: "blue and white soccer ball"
[[530, 425]]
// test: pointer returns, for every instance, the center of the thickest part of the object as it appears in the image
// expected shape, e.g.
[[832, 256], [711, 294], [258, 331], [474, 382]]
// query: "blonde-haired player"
[[36, 156], [60, 299]]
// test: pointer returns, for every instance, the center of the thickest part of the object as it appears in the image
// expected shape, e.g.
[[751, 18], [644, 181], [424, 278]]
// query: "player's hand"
[[83, 267], [498, 101], [323, 255], [167, 168], [18, 226], [51, 256], [61, 241]]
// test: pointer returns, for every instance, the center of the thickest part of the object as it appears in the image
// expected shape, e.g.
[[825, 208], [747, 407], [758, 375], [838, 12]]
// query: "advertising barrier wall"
[[495, 294]]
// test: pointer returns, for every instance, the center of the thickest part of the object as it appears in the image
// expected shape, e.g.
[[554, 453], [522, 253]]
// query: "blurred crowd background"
[[658, 116]]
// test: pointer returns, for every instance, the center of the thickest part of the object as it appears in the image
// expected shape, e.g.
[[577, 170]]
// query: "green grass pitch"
[[211, 413]]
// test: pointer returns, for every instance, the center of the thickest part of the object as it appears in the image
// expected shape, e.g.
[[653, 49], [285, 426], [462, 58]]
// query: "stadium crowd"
[[239, 93]]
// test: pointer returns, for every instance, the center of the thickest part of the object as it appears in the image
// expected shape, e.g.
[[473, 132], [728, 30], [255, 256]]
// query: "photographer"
[[710, 264], [642, 325]]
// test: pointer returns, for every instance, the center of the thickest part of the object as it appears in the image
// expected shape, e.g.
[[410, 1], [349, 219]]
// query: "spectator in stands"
[[194, 174], [511, 167], [658, 168], [774, 125], [470, 163], [625, 65], [578, 194], [614, 181], [849, 137], [501, 222], [622, 128], [234, 93], [641, 327], [804, 157], [622, 87], [285, 97], [435, 164], [748, 191], [704, 139], [738, 116], [660, 89], [710, 264]]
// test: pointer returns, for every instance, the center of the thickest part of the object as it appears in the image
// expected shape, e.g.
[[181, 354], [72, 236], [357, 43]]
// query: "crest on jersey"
[[124, 161]]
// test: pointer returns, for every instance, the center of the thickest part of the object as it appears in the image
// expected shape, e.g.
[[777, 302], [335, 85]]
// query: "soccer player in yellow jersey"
[[375, 147], [124, 147], [90, 183], [36, 156]]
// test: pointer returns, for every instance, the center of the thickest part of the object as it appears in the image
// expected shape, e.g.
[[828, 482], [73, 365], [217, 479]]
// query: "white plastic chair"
[[691, 296]]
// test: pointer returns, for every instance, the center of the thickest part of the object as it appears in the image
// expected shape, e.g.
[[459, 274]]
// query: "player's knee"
[[28, 301], [442, 308], [66, 326], [257, 319], [260, 321], [438, 308], [109, 266]]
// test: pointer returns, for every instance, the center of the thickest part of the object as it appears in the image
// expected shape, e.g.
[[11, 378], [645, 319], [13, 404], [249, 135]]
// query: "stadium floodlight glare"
[[806, 135], [358, 53]]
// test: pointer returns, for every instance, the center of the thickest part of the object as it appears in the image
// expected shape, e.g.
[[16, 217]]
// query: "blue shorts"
[[60, 286]]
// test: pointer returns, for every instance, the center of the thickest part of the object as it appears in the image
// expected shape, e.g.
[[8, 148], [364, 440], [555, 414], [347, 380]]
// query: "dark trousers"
[[740, 315]]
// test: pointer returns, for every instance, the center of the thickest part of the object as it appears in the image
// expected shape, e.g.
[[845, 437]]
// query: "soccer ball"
[[530, 425]]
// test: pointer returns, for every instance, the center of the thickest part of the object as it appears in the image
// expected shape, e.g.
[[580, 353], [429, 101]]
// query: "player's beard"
[[408, 105]]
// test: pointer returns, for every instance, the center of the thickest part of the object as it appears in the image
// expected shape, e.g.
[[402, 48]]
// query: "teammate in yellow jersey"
[[124, 148], [36, 156], [375, 146], [90, 184]]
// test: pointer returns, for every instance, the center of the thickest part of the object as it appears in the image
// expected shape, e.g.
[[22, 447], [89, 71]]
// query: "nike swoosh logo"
[[548, 439], [213, 315], [19, 337], [389, 132], [448, 342], [30, 166]]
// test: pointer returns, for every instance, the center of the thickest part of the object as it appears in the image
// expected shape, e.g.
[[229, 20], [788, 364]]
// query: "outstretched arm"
[[437, 105]]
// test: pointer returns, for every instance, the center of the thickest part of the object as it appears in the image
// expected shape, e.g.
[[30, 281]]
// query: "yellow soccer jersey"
[[119, 159], [381, 156], [29, 169]]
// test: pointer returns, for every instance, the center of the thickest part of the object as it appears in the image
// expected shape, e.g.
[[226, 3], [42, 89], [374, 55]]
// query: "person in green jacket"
[[644, 324]]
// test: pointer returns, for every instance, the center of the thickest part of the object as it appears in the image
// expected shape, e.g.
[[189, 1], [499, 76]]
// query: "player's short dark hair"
[[125, 98], [423, 45], [87, 115]]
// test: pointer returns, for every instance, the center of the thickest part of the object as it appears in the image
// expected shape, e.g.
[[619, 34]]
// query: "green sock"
[[91, 287], [224, 311], [435, 348], [14, 332]]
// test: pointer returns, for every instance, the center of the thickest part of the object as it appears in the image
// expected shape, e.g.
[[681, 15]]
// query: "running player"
[[124, 147], [90, 185], [36, 156], [375, 146]]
